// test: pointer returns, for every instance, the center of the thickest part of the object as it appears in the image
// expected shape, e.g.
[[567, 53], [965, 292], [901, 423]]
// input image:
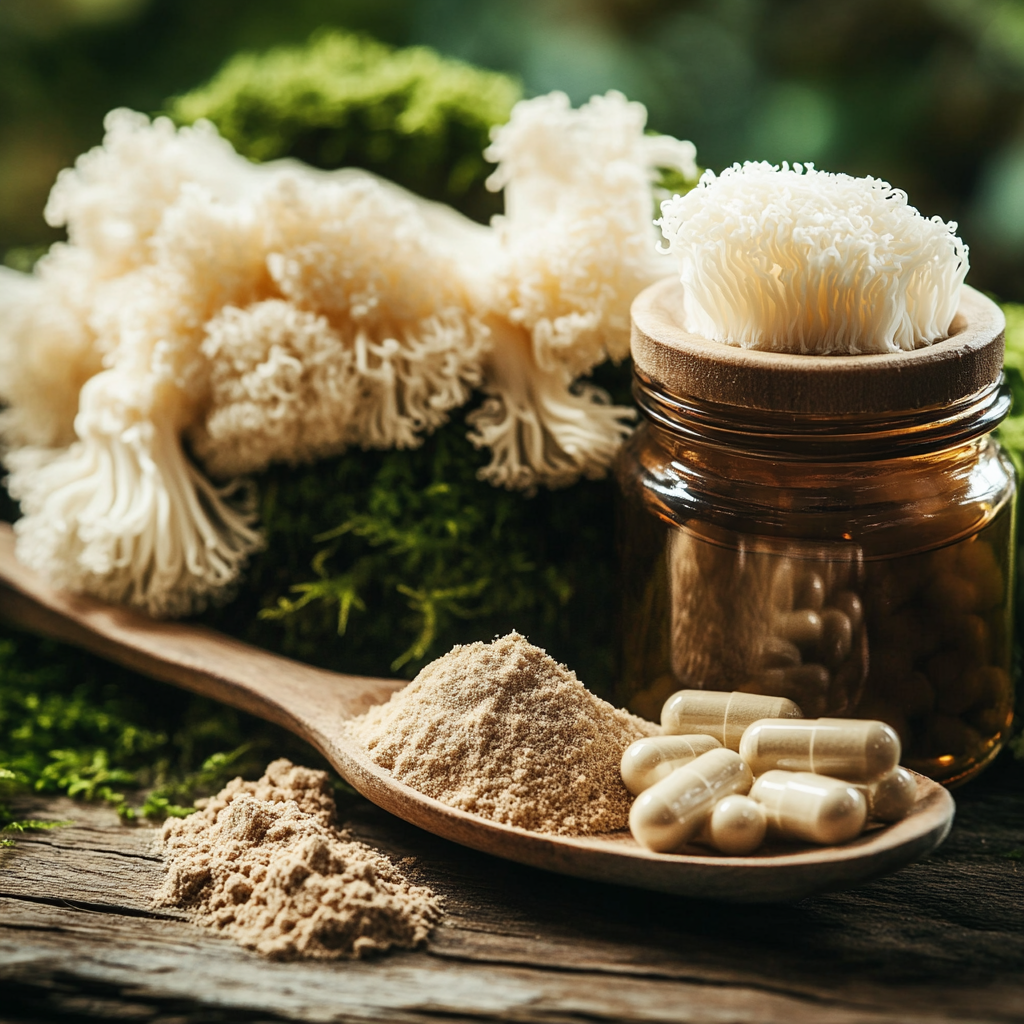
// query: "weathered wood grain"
[[940, 941]]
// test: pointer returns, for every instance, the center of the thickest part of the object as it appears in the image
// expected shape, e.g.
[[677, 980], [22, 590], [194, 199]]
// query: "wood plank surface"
[[941, 940]]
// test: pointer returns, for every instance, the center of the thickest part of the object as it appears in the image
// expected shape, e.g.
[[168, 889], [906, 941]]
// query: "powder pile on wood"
[[263, 862], [503, 731]]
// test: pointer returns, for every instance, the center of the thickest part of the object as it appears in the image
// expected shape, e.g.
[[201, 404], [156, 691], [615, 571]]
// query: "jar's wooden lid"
[[683, 364]]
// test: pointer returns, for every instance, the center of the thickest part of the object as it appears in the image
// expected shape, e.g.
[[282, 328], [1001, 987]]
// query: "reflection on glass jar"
[[859, 563], [783, 623], [939, 629]]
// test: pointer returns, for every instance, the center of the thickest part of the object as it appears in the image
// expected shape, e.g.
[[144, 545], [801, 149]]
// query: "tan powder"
[[263, 862], [503, 731]]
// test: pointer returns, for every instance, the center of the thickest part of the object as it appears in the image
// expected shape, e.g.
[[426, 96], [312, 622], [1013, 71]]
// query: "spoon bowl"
[[316, 704]]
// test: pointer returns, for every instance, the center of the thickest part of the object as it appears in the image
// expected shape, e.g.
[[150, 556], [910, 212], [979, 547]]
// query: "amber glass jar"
[[837, 530]]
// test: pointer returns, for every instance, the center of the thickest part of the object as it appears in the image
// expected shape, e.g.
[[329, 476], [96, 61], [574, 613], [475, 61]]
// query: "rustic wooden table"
[[941, 940]]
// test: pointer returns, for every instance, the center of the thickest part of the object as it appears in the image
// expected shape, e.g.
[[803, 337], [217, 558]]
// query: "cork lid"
[[683, 364]]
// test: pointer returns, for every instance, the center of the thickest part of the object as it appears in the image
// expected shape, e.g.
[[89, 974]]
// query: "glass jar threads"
[[837, 530]]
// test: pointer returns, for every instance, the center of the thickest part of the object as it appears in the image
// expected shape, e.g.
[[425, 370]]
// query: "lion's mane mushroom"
[[371, 342], [112, 203], [267, 312], [801, 260], [574, 247], [120, 511], [123, 514], [276, 313]]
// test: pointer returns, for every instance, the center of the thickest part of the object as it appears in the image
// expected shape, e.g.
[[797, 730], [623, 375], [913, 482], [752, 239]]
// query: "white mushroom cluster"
[[204, 307], [369, 336], [794, 259], [574, 248]]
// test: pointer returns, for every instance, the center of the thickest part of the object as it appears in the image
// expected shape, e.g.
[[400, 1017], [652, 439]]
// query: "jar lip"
[[786, 437], [684, 364]]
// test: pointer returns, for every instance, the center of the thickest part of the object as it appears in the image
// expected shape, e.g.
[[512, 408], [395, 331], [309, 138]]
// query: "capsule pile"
[[921, 640], [790, 625], [938, 651], [814, 648], [733, 768]]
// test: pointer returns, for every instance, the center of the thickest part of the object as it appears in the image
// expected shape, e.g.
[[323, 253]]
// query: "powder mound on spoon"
[[503, 731], [263, 863]]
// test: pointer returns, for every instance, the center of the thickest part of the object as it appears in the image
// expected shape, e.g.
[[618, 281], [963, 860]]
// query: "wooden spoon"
[[314, 704]]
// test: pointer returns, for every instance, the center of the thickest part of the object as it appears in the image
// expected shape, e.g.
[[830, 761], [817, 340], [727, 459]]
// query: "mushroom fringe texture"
[[273, 313], [47, 350], [801, 260], [370, 340], [575, 246], [538, 424], [124, 515]]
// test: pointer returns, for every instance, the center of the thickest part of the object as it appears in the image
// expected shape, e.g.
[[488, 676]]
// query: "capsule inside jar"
[[675, 809], [725, 716], [648, 760]]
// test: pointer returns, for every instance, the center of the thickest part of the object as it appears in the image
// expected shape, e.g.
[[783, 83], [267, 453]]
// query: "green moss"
[[343, 100], [377, 562], [73, 724], [1011, 432]]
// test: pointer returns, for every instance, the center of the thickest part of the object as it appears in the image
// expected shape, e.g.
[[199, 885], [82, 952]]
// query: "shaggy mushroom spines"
[[148, 529], [575, 245], [801, 260]]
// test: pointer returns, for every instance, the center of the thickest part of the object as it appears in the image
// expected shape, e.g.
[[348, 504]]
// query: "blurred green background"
[[926, 93]]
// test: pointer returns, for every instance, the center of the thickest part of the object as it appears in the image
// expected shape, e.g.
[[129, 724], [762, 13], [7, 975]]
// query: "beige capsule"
[[721, 714], [846, 748], [737, 826], [815, 808], [799, 627], [675, 809], [811, 593], [649, 760], [891, 797], [779, 653], [782, 586], [836, 636], [850, 605]]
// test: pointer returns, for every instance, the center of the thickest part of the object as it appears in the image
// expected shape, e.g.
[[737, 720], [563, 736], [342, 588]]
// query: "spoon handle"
[[301, 698]]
